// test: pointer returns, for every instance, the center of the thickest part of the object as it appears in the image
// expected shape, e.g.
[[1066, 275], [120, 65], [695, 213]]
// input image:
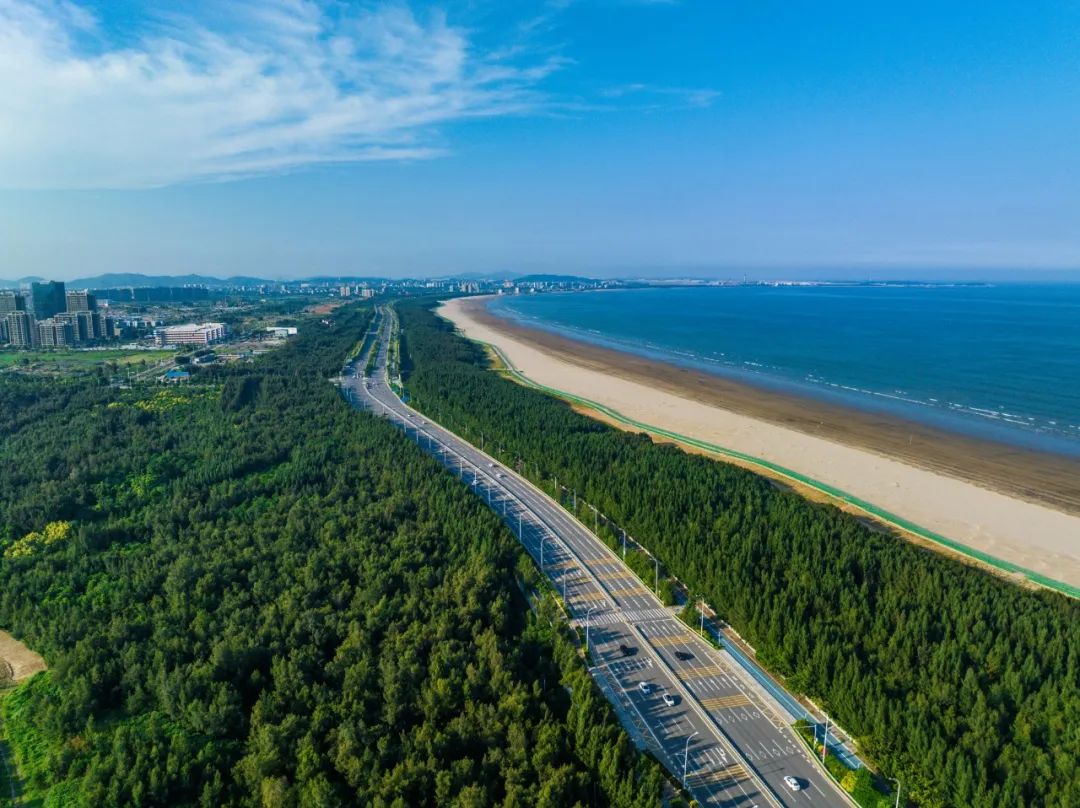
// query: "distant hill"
[[340, 279], [500, 275], [554, 279], [18, 284], [120, 280], [112, 280]]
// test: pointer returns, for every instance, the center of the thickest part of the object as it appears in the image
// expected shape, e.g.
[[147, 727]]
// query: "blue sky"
[[285, 138]]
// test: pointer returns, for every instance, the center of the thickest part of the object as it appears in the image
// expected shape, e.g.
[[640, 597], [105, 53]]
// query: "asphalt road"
[[735, 748]]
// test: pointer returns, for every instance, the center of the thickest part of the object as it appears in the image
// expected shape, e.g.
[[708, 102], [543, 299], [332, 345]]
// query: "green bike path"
[[873, 510]]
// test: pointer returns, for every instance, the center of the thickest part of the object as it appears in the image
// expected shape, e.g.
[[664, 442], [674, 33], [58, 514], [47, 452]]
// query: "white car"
[[491, 465], [792, 783], [501, 475], [668, 700], [645, 687]]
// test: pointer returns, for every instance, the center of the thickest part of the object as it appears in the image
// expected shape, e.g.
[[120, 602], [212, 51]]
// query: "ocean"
[[1000, 362]]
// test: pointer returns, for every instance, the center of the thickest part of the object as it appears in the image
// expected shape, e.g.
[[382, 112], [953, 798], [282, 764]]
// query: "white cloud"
[[663, 97], [273, 85]]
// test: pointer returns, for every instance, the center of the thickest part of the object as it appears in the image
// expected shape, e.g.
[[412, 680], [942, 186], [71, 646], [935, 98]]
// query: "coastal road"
[[707, 723]]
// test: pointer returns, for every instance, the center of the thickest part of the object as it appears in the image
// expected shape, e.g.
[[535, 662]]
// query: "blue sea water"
[[999, 362]]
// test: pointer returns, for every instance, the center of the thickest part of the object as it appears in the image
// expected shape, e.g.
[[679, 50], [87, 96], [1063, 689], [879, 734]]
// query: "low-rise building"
[[191, 334]]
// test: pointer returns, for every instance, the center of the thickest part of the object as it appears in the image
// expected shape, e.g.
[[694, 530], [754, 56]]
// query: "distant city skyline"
[[609, 138]]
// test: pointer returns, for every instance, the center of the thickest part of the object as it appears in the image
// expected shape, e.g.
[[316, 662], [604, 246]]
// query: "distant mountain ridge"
[[119, 280], [112, 280], [549, 278]]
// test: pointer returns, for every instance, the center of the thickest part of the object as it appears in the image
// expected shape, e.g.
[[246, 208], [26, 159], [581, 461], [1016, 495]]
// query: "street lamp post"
[[588, 614], [894, 780], [685, 758], [825, 739]]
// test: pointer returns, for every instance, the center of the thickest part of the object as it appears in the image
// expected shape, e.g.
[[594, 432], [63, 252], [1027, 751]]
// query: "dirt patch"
[[325, 308], [17, 662]]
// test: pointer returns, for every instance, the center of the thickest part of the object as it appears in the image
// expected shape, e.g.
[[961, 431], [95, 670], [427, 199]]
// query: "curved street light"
[[685, 757]]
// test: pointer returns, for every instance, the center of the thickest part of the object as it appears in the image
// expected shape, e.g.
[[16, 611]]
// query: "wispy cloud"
[[653, 96], [278, 85]]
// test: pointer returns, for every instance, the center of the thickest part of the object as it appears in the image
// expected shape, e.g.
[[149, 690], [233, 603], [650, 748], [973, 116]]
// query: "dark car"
[[627, 650], [682, 656]]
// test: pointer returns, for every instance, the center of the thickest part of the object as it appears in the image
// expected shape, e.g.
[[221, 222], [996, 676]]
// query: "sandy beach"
[[1019, 506]]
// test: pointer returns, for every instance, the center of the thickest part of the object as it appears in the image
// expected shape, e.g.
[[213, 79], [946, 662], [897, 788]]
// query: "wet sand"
[[1018, 505]]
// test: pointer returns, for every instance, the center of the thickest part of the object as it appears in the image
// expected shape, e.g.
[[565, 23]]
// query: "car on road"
[[669, 700], [491, 465], [682, 656], [645, 687], [627, 650], [500, 475], [792, 783]]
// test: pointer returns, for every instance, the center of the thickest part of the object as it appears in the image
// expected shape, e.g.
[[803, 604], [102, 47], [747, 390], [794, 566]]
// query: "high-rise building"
[[20, 328], [86, 325], [3, 330], [55, 333], [80, 300], [11, 301], [47, 299]]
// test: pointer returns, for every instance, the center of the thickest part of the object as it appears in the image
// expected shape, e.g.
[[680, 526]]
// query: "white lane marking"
[[573, 543]]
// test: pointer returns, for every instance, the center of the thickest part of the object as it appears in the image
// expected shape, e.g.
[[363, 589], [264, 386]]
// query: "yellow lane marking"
[[591, 597], [669, 639], [734, 772], [725, 702], [629, 591], [616, 576], [703, 672]]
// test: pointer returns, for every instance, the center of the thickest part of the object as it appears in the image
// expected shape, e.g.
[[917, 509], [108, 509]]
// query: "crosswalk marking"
[[646, 615], [632, 616], [725, 702]]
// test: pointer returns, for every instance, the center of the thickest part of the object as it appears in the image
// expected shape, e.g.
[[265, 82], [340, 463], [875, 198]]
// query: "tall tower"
[[47, 299]]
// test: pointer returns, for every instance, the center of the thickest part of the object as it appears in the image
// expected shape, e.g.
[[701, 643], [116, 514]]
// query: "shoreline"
[[1026, 504], [896, 409]]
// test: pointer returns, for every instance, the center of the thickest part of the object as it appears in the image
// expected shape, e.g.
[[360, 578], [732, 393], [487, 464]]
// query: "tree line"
[[961, 684], [261, 597]]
